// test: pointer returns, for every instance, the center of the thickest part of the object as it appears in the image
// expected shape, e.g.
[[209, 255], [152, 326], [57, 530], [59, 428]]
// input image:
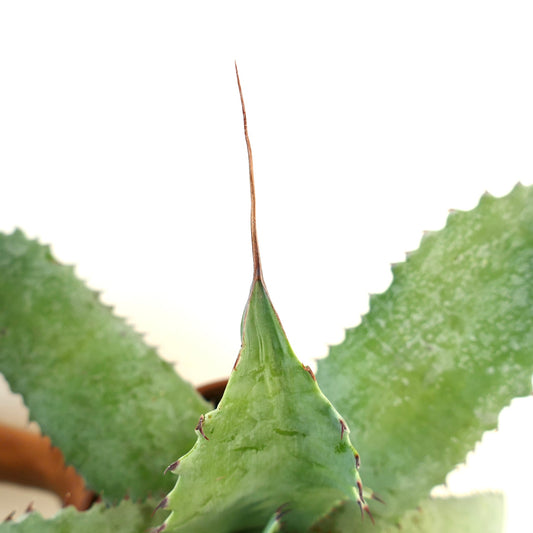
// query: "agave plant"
[[397, 405]]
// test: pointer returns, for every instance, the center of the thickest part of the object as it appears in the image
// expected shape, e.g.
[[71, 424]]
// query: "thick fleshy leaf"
[[128, 517], [274, 445], [117, 411], [441, 352], [477, 513]]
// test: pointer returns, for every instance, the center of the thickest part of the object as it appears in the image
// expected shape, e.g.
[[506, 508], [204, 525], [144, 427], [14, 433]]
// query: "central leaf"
[[274, 444], [275, 455]]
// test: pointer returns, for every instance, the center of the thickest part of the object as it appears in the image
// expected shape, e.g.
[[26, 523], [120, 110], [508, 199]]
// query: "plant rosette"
[[427, 371]]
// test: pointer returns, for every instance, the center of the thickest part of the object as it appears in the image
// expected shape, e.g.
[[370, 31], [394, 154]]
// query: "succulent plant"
[[414, 386]]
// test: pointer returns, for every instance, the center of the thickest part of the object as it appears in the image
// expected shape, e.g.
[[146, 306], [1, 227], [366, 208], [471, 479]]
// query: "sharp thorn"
[[310, 370], [200, 427], [360, 503], [258, 275], [161, 505], [171, 467], [360, 489], [281, 511], [367, 511], [343, 427], [374, 496]]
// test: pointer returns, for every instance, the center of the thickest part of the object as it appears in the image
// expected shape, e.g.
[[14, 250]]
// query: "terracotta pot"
[[213, 392], [30, 459]]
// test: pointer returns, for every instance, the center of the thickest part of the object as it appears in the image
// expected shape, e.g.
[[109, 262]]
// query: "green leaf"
[[128, 517], [477, 513], [117, 411], [441, 352], [274, 444]]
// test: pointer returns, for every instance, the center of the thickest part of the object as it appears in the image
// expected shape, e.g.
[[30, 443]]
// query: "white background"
[[121, 144]]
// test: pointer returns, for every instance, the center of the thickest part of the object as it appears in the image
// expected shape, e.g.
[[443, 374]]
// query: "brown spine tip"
[[171, 467], [357, 461], [162, 527], [255, 246], [200, 427]]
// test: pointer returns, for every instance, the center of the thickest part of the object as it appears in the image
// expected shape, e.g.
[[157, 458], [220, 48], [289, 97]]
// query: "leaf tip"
[[257, 273]]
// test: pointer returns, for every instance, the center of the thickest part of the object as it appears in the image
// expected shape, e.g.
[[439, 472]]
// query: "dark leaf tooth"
[[30, 508], [281, 511], [171, 467], [162, 527], [10, 516], [367, 511], [343, 427], [374, 496], [309, 369], [360, 489], [357, 460], [200, 427], [161, 505], [360, 503]]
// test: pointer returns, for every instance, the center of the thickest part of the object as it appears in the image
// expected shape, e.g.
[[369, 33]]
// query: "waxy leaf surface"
[[117, 411], [475, 513], [441, 352], [128, 517], [274, 444]]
